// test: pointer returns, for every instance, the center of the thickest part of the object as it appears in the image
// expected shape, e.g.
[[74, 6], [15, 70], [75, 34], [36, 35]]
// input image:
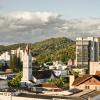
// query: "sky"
[[68, 8], [36, 20]]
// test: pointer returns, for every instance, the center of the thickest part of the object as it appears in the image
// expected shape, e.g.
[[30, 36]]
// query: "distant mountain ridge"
[[47, 50]]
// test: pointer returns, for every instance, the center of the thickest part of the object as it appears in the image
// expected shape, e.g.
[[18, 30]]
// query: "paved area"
[[82, 93]]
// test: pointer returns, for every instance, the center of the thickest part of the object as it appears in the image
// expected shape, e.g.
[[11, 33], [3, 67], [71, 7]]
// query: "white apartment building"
[[5, 56], [58, 65]]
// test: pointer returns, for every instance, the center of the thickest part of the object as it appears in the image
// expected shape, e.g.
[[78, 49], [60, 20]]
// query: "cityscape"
[[49, 50]]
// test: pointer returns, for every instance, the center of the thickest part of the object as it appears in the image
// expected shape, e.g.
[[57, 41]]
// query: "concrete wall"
[[71, 80], [9, 97], [81, 87], [92, 87], [94, 66], [3, 84]]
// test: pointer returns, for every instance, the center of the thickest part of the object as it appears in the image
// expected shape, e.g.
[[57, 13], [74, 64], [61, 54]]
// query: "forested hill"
[[47, 50]]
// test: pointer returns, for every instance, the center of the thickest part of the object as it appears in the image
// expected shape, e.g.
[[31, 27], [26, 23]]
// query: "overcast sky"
[[36, 20]]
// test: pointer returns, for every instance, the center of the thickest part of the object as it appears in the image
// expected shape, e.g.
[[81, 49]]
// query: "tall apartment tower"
[[87, 50]]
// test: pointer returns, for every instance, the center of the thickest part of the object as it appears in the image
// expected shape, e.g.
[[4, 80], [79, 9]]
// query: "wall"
[[71, 80], [94, 66], [9, 97], [81, 87], [3, 84]]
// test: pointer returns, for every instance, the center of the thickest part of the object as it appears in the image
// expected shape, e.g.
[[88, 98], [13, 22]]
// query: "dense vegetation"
[[48, 50], [15, 82], [60, 82]]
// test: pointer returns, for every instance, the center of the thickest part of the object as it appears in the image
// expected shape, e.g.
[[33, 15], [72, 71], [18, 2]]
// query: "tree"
[[15, 82], [58, 81]]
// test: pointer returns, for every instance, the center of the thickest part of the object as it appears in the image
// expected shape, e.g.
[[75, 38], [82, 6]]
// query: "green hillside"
[[48, 50]]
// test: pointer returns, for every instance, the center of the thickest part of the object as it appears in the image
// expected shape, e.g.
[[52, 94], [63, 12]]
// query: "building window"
[[86, 87]]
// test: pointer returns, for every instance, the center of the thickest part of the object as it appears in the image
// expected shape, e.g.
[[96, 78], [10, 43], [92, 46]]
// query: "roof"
[[42, 74], [97, 77], [50, 85], [1, 79], [81, 79], [84, 78], [9, 70], [97, 73]]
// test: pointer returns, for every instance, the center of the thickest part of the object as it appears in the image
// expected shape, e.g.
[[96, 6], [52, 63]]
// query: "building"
[[41, 76], [80, 71], [5, 58], [57, 65], [94, 67], [18, 52], [72, 63], [87, 49], [27, 68], [87, 82]]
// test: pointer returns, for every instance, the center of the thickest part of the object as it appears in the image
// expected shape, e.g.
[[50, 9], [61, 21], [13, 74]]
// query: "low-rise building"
[[87, 82], [94, 66], [42, 76], [58, 65]]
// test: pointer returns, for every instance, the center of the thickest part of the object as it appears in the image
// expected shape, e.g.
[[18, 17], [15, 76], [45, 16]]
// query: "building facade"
[[87, 49], [94, 67]]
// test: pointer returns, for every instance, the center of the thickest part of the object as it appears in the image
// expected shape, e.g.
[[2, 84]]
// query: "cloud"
[[35, 26]]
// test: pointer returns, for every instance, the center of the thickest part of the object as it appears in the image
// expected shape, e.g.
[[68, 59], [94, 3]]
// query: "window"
[[86, 87]]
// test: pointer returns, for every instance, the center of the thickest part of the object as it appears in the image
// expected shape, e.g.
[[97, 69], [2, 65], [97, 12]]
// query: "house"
[[87, 82], [42, 76]]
